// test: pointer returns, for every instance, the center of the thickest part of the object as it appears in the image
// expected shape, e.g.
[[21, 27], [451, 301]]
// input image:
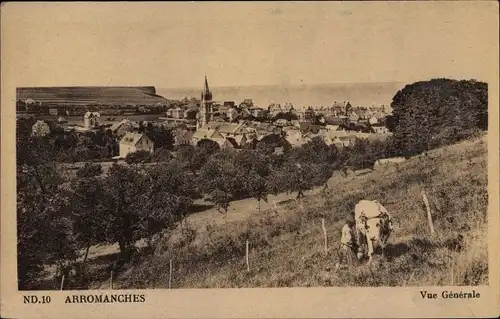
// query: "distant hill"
[[86, 95]]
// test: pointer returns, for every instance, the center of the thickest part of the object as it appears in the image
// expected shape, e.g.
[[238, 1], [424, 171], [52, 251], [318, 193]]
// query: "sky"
[[238, 44]]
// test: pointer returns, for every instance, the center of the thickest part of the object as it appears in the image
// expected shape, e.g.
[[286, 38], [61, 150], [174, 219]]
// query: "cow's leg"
[[360, 242], [382, 249], [370, 249]]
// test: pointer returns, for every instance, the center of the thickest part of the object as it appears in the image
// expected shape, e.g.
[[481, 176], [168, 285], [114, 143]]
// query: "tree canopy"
[[431, 113]]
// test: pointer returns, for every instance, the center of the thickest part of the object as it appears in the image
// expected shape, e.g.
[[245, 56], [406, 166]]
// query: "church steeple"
[[206, 94], [206, 111]]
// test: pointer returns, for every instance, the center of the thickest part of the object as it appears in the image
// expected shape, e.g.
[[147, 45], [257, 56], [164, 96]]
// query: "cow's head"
[[383, 228]]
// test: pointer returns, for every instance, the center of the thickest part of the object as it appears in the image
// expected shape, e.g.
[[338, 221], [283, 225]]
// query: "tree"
[[220, 180], [41, 205], [255, 168], [88, 211], [269, 142], [359, 156], [141, 156], [431, 113], [208, 146], [297, 178], [40, 128], [195, 157], [161, 136], [191, 114], [167, 201], [314, 151], [124, 189], [289, 116]]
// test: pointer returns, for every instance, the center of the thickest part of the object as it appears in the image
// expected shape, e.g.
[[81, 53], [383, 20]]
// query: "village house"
[[134, 142], [123, 127], [61, 120], [229, 104], [183, 137], [373, 120], [91, 120], [306, 127], [248, 102], [224, 143], [207, 131], [294, 136], [258, 130], [257, 112], [176, 113], [282, 123]]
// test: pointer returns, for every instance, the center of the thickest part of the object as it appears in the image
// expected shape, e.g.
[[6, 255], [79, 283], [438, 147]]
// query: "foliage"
[[195, 157], [255, 167], [270, 142], [141, 156], [221, 179], [209, 146], [289, 116], [89, 170], [88, 211], [40, 128], [431, 113], [161, 136], [41, 205]]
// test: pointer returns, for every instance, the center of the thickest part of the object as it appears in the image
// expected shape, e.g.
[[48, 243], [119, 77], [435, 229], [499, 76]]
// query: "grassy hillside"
[[287, 247]]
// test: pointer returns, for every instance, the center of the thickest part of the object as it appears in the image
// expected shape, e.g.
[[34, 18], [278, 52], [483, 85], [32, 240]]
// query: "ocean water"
[[362, 94]]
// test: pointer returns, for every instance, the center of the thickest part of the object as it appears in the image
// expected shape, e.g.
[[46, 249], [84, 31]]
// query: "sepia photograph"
[[190, 146]]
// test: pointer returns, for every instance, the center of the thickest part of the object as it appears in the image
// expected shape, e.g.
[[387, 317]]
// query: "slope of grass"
[[287, 247]]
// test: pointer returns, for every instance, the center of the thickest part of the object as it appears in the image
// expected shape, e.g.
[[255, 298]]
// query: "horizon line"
[[284, 85]]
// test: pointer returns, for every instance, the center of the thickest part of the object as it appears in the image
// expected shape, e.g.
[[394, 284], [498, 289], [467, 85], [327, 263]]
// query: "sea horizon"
[[324, 94]]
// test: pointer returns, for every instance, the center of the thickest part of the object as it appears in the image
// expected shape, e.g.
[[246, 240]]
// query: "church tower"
[[206, 111]]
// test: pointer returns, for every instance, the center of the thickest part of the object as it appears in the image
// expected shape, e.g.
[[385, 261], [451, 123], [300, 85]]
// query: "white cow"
[[373, 225]]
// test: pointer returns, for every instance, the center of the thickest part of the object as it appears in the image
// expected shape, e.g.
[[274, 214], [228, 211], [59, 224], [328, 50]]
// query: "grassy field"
[[286, 240], [287, 247]]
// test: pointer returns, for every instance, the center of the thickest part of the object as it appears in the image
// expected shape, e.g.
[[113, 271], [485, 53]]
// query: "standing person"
[[349, 246]]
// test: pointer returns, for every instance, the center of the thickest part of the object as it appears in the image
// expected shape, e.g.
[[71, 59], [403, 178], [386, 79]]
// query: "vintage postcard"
[[250, 160]]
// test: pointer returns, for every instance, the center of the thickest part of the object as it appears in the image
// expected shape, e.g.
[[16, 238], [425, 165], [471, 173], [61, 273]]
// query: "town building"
[[206, 104], [183, 137], [123, 127], [91, 120], [134, 142]]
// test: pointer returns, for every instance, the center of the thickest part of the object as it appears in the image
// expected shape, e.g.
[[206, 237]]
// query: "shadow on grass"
[[196, 208], [397, 250]]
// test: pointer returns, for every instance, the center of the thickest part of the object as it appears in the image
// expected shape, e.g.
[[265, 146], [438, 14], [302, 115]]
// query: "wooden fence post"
[[324, 234], [170, 276], [429, 215], [248, 263], [111, 280], [62, 282]]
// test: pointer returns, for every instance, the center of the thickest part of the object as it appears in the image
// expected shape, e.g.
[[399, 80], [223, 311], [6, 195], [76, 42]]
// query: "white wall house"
[[91, 120], [134, 142]]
